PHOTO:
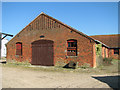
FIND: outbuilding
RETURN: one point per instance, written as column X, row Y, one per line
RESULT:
column 49, row 42
column 113, row 42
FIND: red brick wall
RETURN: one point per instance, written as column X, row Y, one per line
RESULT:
column 52, row 31
column 94, row 56
column 105, row 52
column 114, row 56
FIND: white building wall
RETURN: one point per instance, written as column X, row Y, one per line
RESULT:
column 3, row 47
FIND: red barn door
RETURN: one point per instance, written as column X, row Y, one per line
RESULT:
column 42, row 53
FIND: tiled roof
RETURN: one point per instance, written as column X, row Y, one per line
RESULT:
column 110, row 40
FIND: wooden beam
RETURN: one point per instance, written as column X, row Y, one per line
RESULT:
column 2, row 39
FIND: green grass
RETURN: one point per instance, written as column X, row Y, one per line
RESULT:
column 99, row 70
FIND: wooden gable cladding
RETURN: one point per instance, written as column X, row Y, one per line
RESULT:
column 43, row 22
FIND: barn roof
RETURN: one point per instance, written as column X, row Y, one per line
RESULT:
column 111, row 40
column 75, row 30
column 68, row 26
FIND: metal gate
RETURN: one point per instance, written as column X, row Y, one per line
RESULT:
column 42, row 53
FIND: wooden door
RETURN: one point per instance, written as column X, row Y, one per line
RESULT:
column 42, row 53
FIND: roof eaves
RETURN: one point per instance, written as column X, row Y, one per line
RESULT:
column 102, row 43
column 26, row 26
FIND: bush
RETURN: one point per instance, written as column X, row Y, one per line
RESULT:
column 107, row 61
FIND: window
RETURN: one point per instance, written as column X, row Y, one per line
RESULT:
column 116, row 51
column 72, row 47
column 18, row 48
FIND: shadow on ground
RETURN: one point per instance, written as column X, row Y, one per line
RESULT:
column 112, row 81
column 71, row 65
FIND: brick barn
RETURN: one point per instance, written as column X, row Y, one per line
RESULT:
column 49, row 42
column 113, row 42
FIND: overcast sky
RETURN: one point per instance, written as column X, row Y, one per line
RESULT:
column 88, row 17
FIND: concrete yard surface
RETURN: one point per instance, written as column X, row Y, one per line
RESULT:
column 22, row 78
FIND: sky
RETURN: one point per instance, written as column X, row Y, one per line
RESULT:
column 91, row 18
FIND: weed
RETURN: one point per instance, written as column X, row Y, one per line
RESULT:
column 107, row 61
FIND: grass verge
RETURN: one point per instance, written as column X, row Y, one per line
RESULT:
column 113, row 68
